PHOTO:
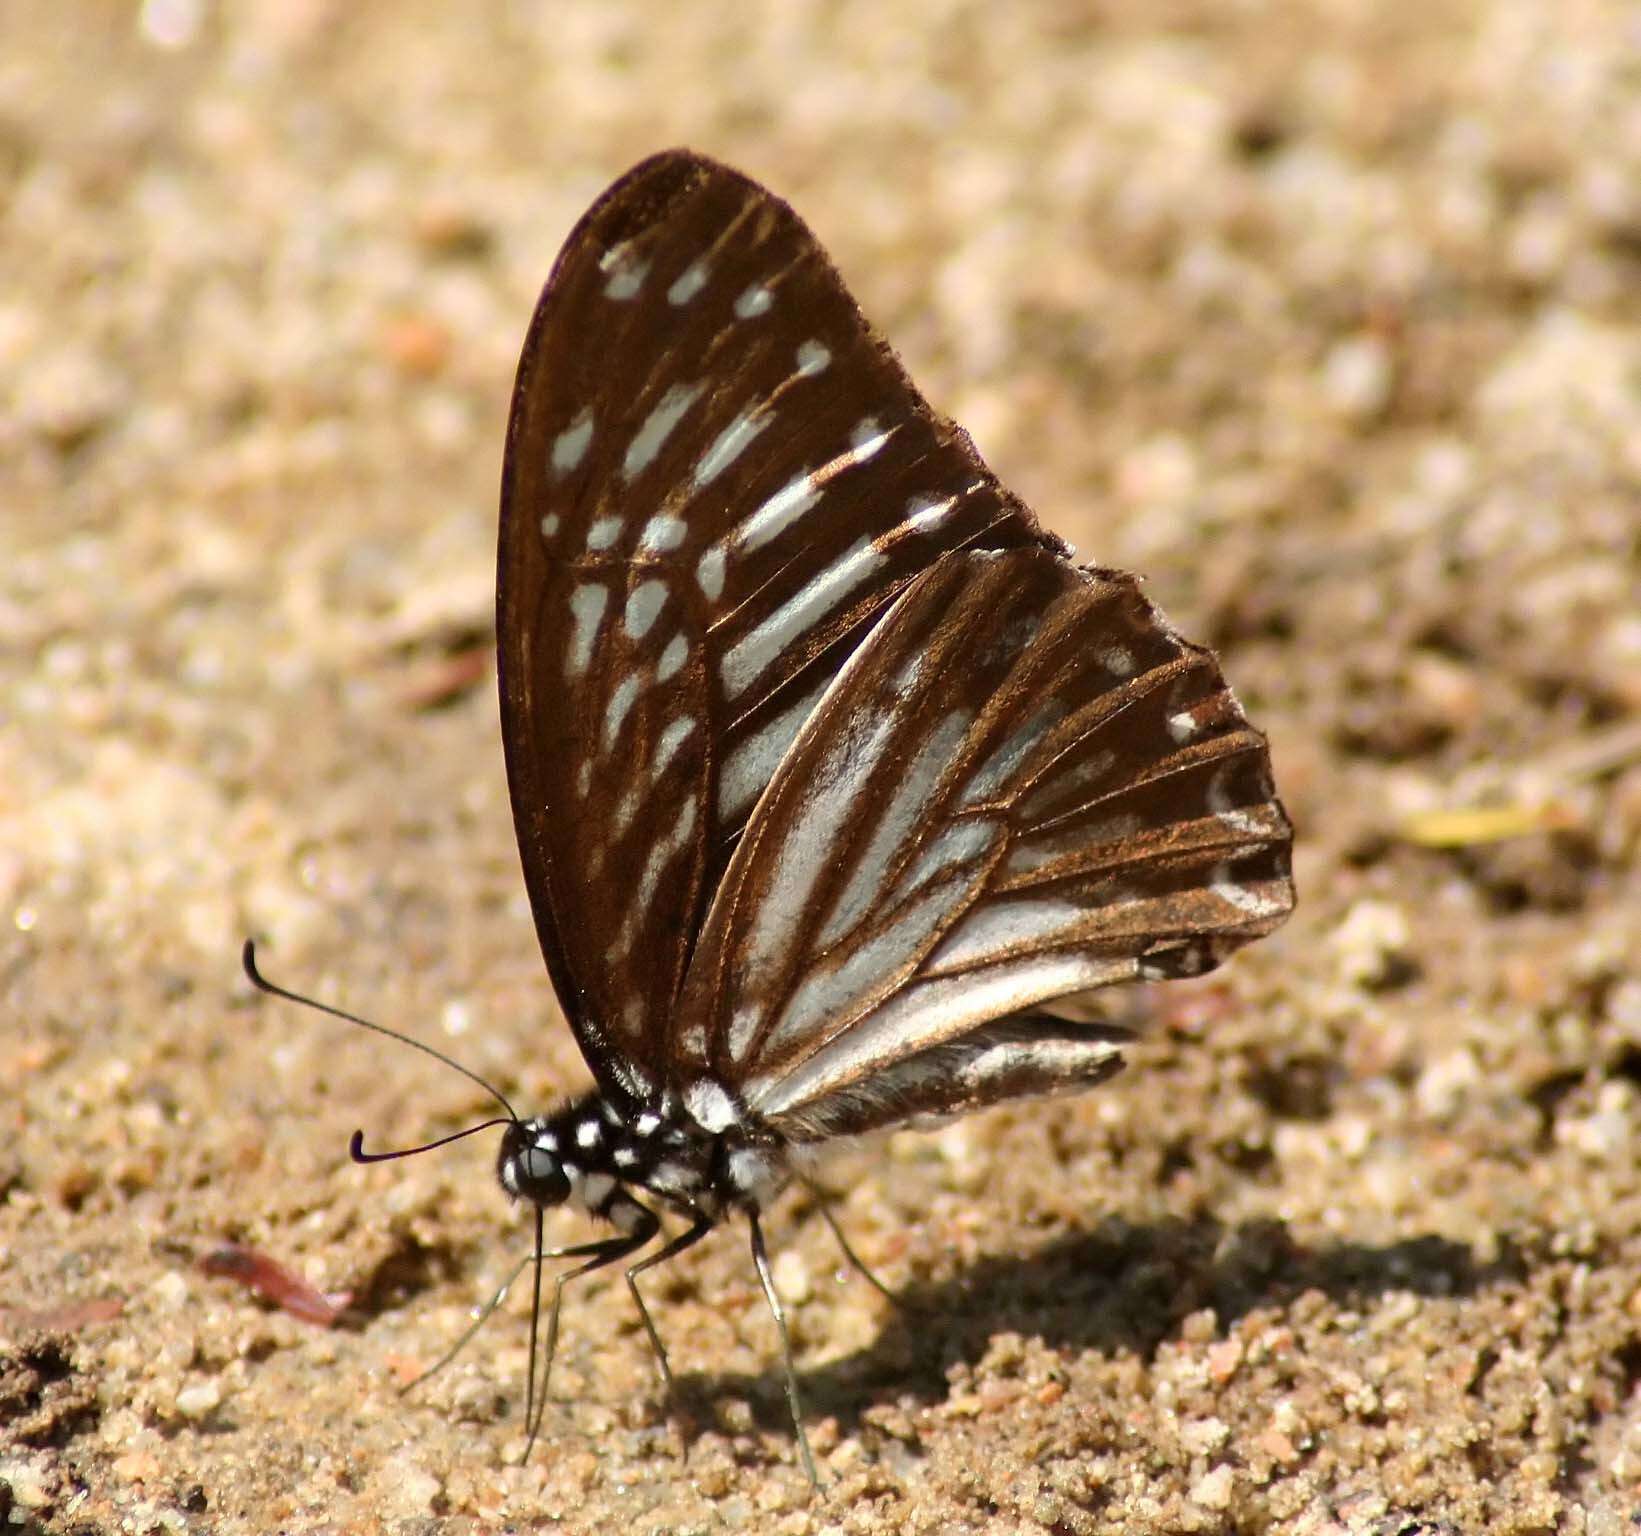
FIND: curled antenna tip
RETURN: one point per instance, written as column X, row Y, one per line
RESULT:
column 356, row 1147
column 247, row 960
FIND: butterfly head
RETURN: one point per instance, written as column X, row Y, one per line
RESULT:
column 529, row 1165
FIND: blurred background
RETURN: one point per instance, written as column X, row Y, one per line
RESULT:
column 1321, row 314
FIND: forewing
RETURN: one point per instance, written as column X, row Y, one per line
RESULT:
column 717, row 477
column 1023, row 786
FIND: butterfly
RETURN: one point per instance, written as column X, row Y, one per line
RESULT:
column 838, row 784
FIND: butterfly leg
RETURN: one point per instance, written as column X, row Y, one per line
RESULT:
column 609, row 1250
column 702, row 1225
column 760, row 1257
column 824, row 1199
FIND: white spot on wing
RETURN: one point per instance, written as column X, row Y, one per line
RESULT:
column 615, row 712
column 587, row 610
column 753, row 301
column 661, row 533
column 671, row 739
column 676, row 653
column 813, row 357
column 571, row 444
column 658, row 425
column 643, row 604
column 1119, row 661
column 730, row 444
column 689, row 283
column 747, row 660
column 604, row 533
column 710, row 572
column 549, row 525
column 626, row 272
column 1183, row 726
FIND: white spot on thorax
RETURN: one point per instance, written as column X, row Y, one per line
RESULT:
column 647, row 1124
column 589, row 1133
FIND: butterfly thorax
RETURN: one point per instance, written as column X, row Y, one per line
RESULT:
column 598, row 1156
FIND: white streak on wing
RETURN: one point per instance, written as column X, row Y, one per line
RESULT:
column 896, row 824
column 925, row 512
column 813, row 358
column 710, row 572
column 660, row 856
column 998, row 926
column 587, row 610
column 626, row 810
column 865, row 441
column 1244, row 819
column 1066, row 1060
column 584, row 777
column 753, row 301
column 1245, row 898
column 671, row 739
column 661, row 533
column 926, row 1014
column 604, row 533
column 669, row 411
column 741, row 1030
column 752, row 763
column 689, row 283
column 751, row 656
column 955, row 844
column 570, row 445
column 838, row 991
column 801, row 493
column 731, row 443
column 615, row 712
column 793, row 499
column 842, row 778
column 675, row 655
column 644, row 602
column 993, row 775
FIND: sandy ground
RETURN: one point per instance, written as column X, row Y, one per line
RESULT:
column 1322, row 314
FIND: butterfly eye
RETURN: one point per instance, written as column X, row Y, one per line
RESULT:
column 541, row 1177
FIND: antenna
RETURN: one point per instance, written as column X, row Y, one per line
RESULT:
column 356, row 1146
